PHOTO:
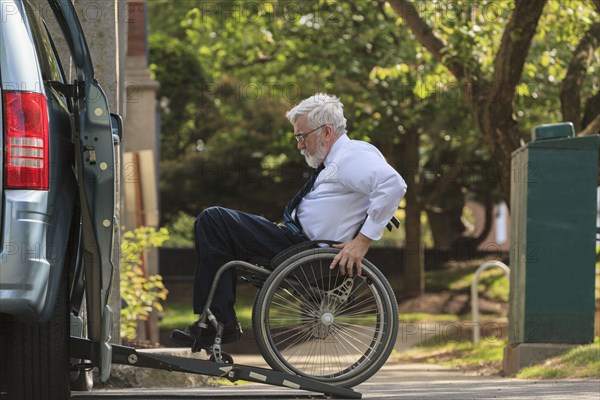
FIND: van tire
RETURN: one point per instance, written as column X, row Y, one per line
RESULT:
column 37, row 355
column 82, row 381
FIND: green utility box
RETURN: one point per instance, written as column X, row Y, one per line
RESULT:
column 553, row 233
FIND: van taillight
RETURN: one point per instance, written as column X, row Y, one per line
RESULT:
column 25, row 141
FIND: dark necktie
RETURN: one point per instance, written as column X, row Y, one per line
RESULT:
column 289, row 221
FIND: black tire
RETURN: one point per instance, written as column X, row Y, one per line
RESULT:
column 36, row 357
column 82, row 381
column 313, row 322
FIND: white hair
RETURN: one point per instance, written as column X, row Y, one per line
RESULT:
column 320, row 109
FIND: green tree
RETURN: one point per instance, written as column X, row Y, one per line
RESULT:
column 188, row 112
column 357, row 49
column 445, row 89
column 485, row 48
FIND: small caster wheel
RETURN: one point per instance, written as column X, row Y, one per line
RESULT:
column 226, row 357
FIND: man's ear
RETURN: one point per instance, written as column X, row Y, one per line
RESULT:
column 329, row 132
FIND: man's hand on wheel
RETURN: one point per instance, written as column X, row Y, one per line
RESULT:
column 351, row 255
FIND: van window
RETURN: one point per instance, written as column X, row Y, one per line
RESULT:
column 48, row 61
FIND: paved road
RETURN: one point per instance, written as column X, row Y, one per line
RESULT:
column 394, row 381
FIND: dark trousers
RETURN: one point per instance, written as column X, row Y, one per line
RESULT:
column 223, row 235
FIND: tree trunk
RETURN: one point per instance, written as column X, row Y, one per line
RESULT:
column 414, row 266
column 570, row 90
column 590, row 123
column 446, row 226
column 500, row 133
column 489, row 221
column 492, row 99
column 469, row 244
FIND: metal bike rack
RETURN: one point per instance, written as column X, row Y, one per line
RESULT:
column 88, row 350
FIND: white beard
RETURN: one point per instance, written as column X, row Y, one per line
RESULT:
column 316, row 159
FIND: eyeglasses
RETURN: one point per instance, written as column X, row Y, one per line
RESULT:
column 301, row 137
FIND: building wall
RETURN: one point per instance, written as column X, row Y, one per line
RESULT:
column 141, row 147
column 142, row 143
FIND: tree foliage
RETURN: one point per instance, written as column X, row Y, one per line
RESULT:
column 447, row 89
column 486, row 49
column 187, row 112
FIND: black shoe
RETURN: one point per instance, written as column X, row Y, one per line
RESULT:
column 231, row 333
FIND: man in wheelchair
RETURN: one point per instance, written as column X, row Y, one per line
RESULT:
column 351, row 180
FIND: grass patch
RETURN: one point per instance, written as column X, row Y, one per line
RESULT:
column 180, row 315
column 493, row 284
column 484, row 358
column 176, row 315
column 579, row 362
column 425, row 317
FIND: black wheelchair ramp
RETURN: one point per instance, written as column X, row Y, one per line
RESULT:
column 85, row 349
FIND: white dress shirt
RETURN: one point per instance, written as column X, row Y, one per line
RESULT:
column 356, row 182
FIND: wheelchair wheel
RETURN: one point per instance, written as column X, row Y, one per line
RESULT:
column 314, row 322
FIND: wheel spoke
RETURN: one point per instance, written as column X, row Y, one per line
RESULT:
column 318, row 326
column 294, row 309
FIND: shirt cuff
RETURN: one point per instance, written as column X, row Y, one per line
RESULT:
column 372, row 230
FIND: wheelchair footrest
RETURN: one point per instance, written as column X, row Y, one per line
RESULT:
column 84, row 349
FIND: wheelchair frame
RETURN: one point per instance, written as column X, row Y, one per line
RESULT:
column 287, row 265
column 244, row 266
column 87, row 350
column 98, row 352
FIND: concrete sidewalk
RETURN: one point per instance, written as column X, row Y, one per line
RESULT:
column 393, row 382
column 409, row 335
column 124, row 376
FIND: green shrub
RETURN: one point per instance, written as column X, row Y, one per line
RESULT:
column 142, row 293
column 181, row 231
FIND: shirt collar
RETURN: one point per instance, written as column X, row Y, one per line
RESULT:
column 336, row 148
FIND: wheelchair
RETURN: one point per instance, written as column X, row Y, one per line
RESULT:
column 314, row 322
